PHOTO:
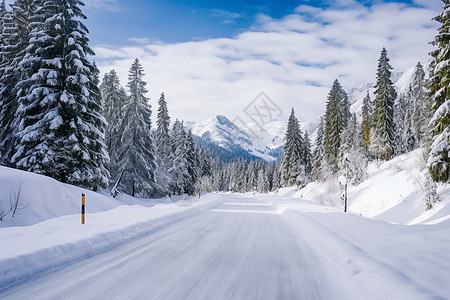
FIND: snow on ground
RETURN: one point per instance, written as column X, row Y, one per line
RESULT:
column 44, row 198
column 240, row 247
column 392, row 192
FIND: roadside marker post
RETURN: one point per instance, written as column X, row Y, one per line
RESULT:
column 83, row 202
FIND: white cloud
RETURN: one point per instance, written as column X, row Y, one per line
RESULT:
column 139, row 40
column 433, row 4
column 227, row 16
column 294, row 60
column 103, row 4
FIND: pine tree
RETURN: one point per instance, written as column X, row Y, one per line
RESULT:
column 193, row 163
column 419, row 105
column 162, row 129
column 262, row 185
column 385, row 96
column 403, row 140
column 353, row 159
column 439, row 85
column 113, row 98
column 60, row 127
column 179, row 168
column 2, row 13
column 366, row 122
column 205, row 171
column 319, row 151
column 307, row 156
column 336, row 119
column 13, row 45
column 136, row 153
column 292, row 162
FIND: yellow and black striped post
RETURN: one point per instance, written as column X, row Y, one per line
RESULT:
column 82, row 207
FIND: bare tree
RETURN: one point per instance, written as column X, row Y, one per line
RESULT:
column 13, row 204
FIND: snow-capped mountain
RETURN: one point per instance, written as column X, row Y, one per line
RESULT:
column 255, row 141
column 252, row 141
column 226, row 134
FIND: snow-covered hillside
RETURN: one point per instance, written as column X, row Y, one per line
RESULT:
column 393, row 191
column 43, row 198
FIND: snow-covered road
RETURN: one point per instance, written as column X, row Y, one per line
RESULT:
column 241, row 250
column 259, row 247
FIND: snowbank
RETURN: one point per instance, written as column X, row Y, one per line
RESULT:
column 44, row 198
column 392, row 192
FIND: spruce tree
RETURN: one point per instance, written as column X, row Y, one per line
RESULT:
column 179, row 167
column 403, row 140
column 113, row 99
column 353, row 159
column 366, row 122
column 385, row 96
column 336, row 119
column 193, row 163
column 307, row 156
column 319, row 151
column 262, row 185
column 136, row 153
column 60, row 127
column 439, row 85
column 13, row 45
column 292, row 162
column 420, row 107
column 2, row 13
column 162, row 129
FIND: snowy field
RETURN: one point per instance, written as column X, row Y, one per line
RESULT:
column 290, row 245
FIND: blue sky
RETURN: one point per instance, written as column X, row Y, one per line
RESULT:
column 178, row 21
column 170, row 21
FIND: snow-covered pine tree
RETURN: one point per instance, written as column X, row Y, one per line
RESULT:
column 403, row 140
column 307, row 156
column 251, row 175
column 419, row 106
column 179, row 168
column 205, row 171
column 205, row 163
column 292, row 168
column 367, row 111
column 318, row 153
column 113, row 99
column 136, row 153
column 272, row 174
column 14, row 41
column 336, row 119
column 353, row 159
column 2, row 13
column 439, row 85
column 385, row 96
column 162, row 129
column 262, row 185
column 96, row 173
column 193, row 163
column 60, row 128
